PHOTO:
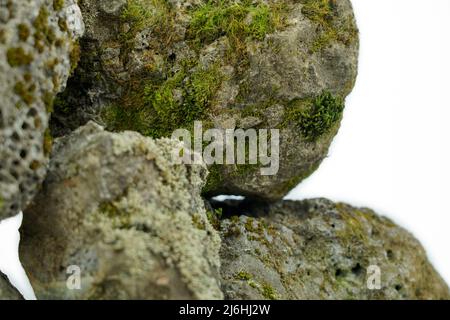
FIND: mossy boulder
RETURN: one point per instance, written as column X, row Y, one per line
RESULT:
column 118, row 210
column 36, row 57
column 317, row 249
column 7, row 291
column 156, row 66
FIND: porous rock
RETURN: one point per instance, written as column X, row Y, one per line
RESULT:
column 118, row 212
column 156, row 66
column 37, row 51
column 317, row 249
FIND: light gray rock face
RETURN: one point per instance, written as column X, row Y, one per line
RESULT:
column 116, row 207
column 316, row 249
column 156, row 66
column 37, row 52
column 7, row 291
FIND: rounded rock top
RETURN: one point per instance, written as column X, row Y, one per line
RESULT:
column 158, row 66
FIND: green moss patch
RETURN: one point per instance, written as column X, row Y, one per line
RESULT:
column 18, row 57
column 23, row 31
column 324, row 13
column 315, row 117
column 214, row 217
column 44, row 35
column 26, row 93
column 269, row 292
column 58, row 5
column 142, row 14
column 48, row 142
column 157, row 108
column 243, row 276
column 232, row 19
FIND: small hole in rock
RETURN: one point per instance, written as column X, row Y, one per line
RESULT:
column 15, row 136
column 32, row 113
column 390, row 254
column 172, row 57
column 357, row 270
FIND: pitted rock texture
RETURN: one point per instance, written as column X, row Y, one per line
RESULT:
column 116, row 207
column 7, row 291
column 317, row 249
column 37, row 51
column 156, row 66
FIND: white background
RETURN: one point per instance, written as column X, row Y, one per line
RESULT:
column 392, row 152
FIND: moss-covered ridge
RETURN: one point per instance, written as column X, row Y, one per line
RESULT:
column 156, row 106
column 157, row 66
column 324, row 14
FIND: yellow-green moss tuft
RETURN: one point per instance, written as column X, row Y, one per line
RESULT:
column 18, row 57
column 324, row 13
column 35, row 165
column 58, row 5
column 48, row 142
column 23, row 31
column 243, row 275
column 214, row 217
column 26, row 93
column 47, row 98
column 74, row 56
column 62, row 23
column 234, row 20
column 198, row 222
column 269, row 292
column 44, row 35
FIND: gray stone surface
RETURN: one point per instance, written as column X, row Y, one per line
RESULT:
column 117, row 206
column 37, row 51
column 155, row 66
column 317, row 249
column 7, row 291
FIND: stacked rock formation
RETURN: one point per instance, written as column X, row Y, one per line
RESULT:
column 134, row 223
column 38, row 49
column 118, row 217
column 156, row 66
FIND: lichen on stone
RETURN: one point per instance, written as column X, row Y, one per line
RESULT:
column 129, row 217
column 317, row 249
